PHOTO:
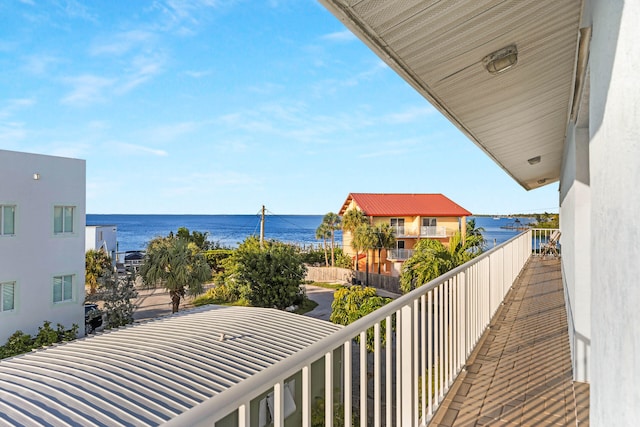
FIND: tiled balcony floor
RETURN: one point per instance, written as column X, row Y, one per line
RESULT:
column 520, row 373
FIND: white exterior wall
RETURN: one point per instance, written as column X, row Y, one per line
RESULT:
column 575, row 217
column 102, row 236
column 615, row 177
column 34, row 255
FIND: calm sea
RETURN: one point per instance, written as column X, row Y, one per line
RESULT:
column 135, row 231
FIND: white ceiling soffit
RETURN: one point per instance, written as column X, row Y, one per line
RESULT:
column 438, row 46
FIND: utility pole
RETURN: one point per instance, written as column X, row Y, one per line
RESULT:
column 262, row 229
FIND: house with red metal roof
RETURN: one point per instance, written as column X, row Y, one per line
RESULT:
column 411, row 216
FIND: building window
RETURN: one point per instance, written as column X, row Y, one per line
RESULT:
column 399, row 244
column 397, row 224
column 63, row 219
column 7, row 220
column 429, row 222
column 7, row 296
column 62, row 288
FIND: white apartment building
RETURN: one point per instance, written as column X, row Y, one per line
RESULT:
column 42, row 238
column 102, row 237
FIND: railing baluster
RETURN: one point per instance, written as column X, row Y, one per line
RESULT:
column 423, row 357
column 441, row 360
column 348, row 382
column 376, row 376
column 398, row 368
column 363, row 378
column 430, row 350
column 244, row 414
column 278, row 404
column 306, row 397
column 328, row 389
column 388, row 371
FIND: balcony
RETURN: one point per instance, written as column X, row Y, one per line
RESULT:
column 399, row 254
column 458, row 353
column 433, row 231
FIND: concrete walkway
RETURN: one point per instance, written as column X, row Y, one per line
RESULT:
column 520, row 373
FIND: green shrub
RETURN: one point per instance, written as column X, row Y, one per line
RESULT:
column 219, row 294
column 20, row 342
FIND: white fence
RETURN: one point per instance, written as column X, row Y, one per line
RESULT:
column 412, row 365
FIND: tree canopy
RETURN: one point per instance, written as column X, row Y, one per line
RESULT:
column 177, row 265
column 352, row 303
column 97, row 264
column 431, row 259
column 271, row 276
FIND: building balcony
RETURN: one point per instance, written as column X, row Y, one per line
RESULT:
column 486, row 342
column 433, row 231
column 399, row 254
column 402, row 231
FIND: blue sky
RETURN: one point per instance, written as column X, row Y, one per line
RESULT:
column 212, row 107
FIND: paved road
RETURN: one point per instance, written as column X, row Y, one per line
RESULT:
column 153, row 303
column 324, row 298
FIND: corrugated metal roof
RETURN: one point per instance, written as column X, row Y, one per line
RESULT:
column 397, row 204
column 145, row 374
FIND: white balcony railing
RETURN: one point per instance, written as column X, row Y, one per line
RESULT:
column 398, row 230
column 435, row 328
column 399, row 254
column 433, row 231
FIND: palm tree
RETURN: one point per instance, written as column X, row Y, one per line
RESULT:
column 332, row 222
column 177, row 265
column 364, row 239
column 474, row 238
column 97, row 264
column 385, row 239
column 431, row 259
column 323, row 232
column 351, row 220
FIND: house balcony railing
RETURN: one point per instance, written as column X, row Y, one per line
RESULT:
column 424, row 231
column 399, row 254
column 399, row 230
column 433, row 231
column 412, row 365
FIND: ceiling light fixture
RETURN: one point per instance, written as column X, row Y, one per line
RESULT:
column 542, row 181
column 501, row 60
column 534, row 160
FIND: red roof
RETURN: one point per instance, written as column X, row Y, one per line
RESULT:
column 434, row 205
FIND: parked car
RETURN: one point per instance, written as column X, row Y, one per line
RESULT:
column 92, row 318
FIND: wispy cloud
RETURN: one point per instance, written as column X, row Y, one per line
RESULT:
column 121, row 43
column 339, row 36
column 86, row 89
column 142, row 69
column 198, row 74
column 39, row 64
column 138, row 149
column 410, row 115
column 180, row 15
column 170, row 132
column 76, row 9
column 14, row 105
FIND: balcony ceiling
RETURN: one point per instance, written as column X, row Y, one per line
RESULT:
column 438, row 48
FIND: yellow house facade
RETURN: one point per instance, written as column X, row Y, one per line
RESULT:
column 412, row 217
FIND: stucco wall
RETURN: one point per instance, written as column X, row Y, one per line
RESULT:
column 34, row 255
column 575, row 224
column 615, row 176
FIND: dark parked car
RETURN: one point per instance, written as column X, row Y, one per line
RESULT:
column 92, row 318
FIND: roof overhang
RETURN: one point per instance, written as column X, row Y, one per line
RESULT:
column 518, row 117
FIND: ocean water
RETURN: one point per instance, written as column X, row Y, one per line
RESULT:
column 135, row 231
